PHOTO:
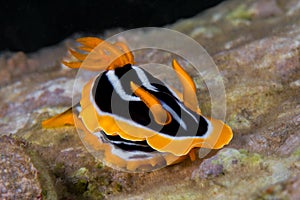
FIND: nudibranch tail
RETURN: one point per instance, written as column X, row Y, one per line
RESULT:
column 189, row 88
column 63, row 119
column 102, row 55
column 161, row 116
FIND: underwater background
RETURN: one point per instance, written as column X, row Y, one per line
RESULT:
column 254, row 43
column 29, row 25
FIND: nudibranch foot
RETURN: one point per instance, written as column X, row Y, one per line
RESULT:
column 125, row 155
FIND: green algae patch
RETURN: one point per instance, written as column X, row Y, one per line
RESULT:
column 93, row 192
column 82, row 172
column 79, row 186
column 78, row 182
column 296, row 153
column 240, row 13
column 253, row 159
column 230, row 159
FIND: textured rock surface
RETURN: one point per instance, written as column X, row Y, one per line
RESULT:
column 19, row 177
column 255, row 44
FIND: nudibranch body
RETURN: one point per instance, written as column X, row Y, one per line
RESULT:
column 136, row 121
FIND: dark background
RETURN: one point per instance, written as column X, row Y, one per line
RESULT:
column 28, row 25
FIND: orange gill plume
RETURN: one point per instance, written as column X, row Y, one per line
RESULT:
column 101, row 55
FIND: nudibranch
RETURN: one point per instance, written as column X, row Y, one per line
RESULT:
column 136, row 121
